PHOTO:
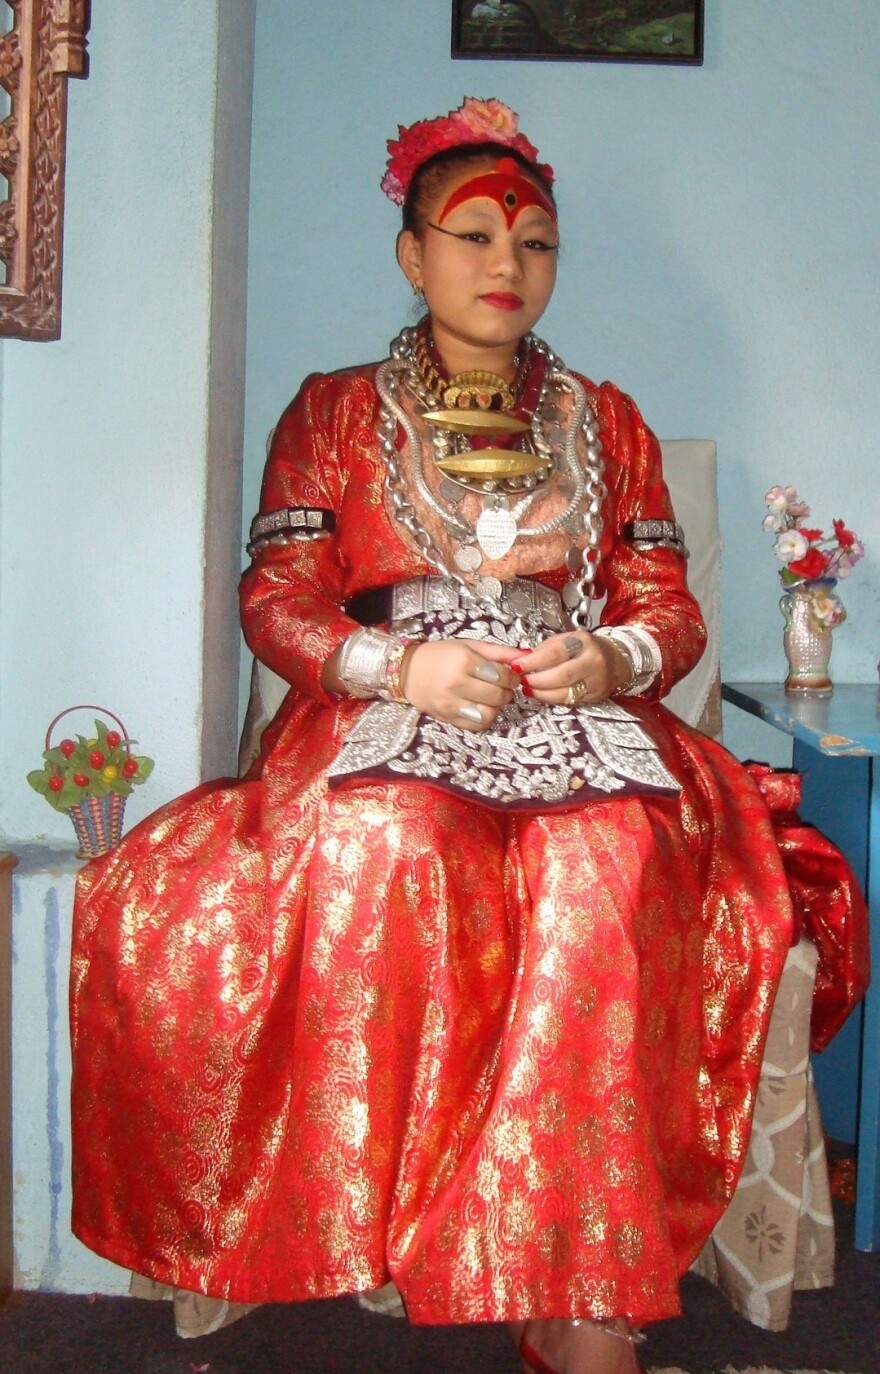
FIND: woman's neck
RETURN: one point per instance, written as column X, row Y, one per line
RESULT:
column 457, row 355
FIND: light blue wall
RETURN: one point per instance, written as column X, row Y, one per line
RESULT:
column 721, row 231
column 120, row 453
column 118, row 443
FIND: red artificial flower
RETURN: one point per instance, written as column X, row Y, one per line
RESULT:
column 813, row 564
column 845, row 537
column 810, row 535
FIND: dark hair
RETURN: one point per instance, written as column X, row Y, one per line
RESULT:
column 430, row 177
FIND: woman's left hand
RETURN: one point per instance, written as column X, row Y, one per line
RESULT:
column 574, row 667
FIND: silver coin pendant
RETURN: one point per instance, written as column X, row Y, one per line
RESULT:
column 468, row 558
column 496, row 532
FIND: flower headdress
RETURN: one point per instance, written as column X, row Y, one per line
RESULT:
column 475, row 121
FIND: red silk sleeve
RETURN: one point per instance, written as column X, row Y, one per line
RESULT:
column 291, row 595
column 644, row 587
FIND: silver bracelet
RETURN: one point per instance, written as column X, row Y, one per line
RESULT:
column 641, row 649
column 364, row 660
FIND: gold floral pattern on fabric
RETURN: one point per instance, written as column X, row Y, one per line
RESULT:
column 326, row 1039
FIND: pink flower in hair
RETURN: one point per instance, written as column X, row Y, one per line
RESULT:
column 489, row 119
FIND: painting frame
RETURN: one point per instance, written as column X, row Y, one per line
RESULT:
column 44, row 45
column 667, row 32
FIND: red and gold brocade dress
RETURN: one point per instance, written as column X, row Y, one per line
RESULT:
column 327, row 1037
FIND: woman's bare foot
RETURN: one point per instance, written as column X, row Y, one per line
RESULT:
column 516, row 1330
column 578, row 1347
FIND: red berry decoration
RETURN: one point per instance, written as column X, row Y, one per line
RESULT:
column 55, row 783
column 67, row 747
column 129, row 768
column 113, row 739
column 96, row 758
column 81, row 779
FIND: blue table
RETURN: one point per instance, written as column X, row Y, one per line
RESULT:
column 836, row 741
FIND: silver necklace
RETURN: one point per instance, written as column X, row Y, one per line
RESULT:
column 587, row 481
column 498, row 528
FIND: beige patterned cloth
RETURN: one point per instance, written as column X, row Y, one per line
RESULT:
column 194, row 1314
column 777, row 1235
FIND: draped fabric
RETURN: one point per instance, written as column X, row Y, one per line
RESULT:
column 324, row 1039
column 829, row 908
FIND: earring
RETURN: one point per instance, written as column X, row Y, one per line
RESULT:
column 417, row 290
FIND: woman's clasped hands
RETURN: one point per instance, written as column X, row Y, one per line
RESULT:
column 469, row 682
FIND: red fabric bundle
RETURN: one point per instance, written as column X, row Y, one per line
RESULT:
column 828, row 904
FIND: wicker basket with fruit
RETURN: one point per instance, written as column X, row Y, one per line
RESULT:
column 90, row 778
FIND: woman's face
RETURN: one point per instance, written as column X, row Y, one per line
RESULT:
column 486, row 257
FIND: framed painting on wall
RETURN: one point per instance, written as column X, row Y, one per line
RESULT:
column 579, row 30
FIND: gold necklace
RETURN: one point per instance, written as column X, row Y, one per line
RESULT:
column 477, row 402
column 474, row 402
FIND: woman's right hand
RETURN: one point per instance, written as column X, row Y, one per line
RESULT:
column 462, row 681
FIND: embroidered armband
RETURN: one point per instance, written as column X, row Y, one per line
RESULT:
column 655, row 534
column 292, row 522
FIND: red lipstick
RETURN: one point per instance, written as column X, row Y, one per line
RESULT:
column 502, row 300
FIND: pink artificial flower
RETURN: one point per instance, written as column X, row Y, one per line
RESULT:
column 778, row 498
column 491, row 119
column 844, row 560
column 786, row 506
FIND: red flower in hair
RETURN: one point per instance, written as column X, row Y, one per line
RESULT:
column 475, row 121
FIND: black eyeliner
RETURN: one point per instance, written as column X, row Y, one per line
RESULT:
column 450, row 233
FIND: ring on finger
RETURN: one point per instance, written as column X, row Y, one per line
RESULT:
column 471, row 713
column 576, row 692
column 487, row 672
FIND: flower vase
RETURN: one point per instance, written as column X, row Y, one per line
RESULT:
column 811, row 610
column 98, row 823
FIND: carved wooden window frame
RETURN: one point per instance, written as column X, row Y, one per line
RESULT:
column 45, row 46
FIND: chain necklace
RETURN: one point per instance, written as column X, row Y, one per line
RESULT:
column 476, row 389
column 587, row 479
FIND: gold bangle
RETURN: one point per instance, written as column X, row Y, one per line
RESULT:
column 633, row 670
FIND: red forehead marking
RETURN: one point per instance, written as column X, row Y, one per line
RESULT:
column 506, row 185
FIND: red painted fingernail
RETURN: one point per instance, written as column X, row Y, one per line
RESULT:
column 527, row 691
column 516, row 666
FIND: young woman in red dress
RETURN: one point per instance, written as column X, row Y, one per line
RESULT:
column 465, row 984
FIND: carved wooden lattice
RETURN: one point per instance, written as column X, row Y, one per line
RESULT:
column 45, row 45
